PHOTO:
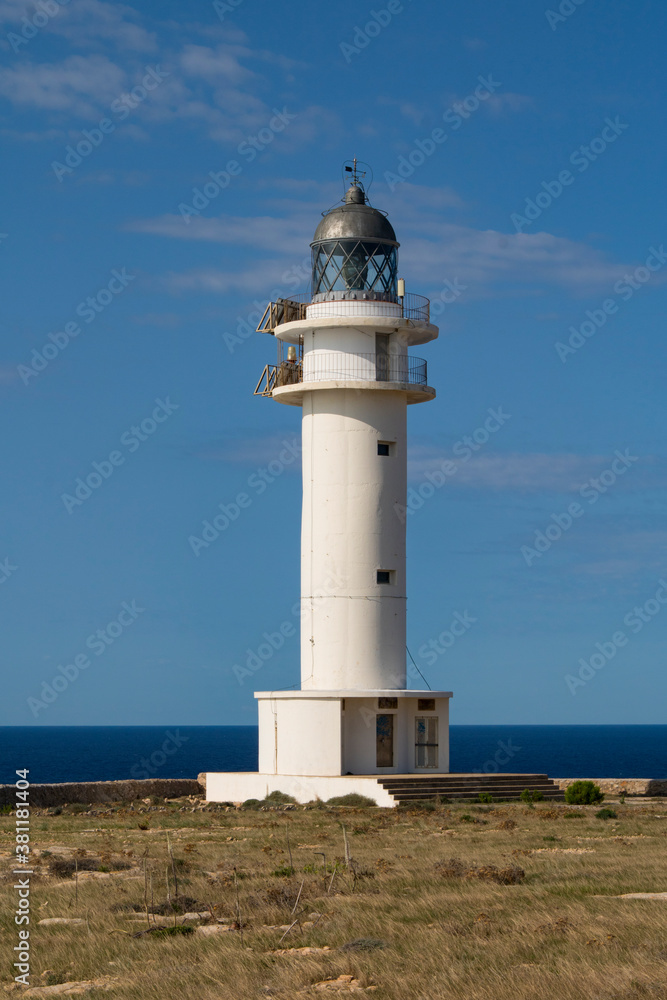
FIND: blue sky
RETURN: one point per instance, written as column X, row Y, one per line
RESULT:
column 535, row 208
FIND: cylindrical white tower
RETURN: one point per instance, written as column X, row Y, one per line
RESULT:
column 348, row 367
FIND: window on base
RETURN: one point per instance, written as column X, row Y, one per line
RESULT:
column 385, row 576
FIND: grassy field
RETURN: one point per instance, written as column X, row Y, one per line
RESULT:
column 457, row 902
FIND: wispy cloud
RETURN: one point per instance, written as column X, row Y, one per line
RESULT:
column 164, row 320
column 490, row 262
column 89, row 22
column 8, row 374
column 532, row 472
column 253, row 450
column 78, row 85
column 505, row 101
column 219, row 88
column 260, row 232
column 634, row 552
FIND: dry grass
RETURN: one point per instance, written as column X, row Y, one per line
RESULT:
column 401, row 917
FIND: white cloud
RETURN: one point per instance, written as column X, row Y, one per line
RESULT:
column 435, row 249
column 491, row 263
column 529, row 472
column 86, row 23
column 126, row 178
column 77, row 86
column 265, row 233
column 48, row 135
column 509, row 101
column 8, row 374
column 164, row 320
column 256, row 450
column 216, row 66
column 633, row 552
column 475, row 44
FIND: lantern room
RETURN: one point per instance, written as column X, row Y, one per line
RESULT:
column 355, row 252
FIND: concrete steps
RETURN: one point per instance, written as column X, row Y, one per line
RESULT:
column 407, row 788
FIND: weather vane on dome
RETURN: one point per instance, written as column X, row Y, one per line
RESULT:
column 356, row 174
column 351, row 167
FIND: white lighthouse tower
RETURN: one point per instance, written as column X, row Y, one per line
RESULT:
column 343, row 357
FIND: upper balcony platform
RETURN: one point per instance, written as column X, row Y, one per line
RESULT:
column 289, row 319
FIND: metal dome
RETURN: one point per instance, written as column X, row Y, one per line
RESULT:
column 355, row 220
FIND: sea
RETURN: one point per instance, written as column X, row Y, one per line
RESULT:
column 109, row 753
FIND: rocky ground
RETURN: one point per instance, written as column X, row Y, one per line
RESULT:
column 158, row 898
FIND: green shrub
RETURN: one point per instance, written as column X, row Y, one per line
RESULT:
column 605, row 813
column 583, row 793
column 353, row 799
column 279, row 799
column 418, row 805
column 5, row 810
column 50, row 978
column 574, row 815
column 284, row 871
column 485, row 797
column 274, row 799
column 531, row 795
column 172, row 931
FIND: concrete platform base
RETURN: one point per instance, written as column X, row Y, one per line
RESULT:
column 385, row 790
column 237, row 786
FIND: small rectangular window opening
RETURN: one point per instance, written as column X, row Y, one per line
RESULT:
column 384, row 576
column 387, row 702
column 426, row 704
column 386, row 447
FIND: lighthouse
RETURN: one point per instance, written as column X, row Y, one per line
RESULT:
column 344, row 356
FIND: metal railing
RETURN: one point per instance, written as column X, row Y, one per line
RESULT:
column 274, row 376
column 411, row 307
column 319, row 366
column 336, row 366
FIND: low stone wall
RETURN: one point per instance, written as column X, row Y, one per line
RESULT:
column 102, row 791
column 614, row 786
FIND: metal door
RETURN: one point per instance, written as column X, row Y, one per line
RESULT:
column 382, row 357
column 384, row 744
column 426, row 741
